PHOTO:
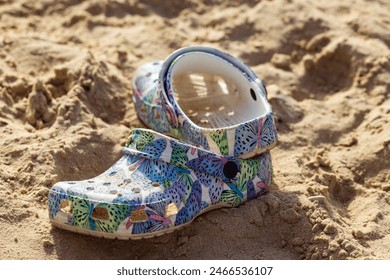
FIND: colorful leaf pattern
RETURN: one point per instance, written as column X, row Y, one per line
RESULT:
column 156, row 172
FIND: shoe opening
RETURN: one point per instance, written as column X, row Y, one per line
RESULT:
column 213, row 93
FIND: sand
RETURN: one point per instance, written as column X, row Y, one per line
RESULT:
column 66, row 109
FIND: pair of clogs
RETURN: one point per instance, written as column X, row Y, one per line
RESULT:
column 211, row 129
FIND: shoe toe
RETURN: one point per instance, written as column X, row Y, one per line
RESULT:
column 113, row 202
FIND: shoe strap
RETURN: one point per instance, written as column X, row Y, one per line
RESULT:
column 242, row 140
column 150, row 145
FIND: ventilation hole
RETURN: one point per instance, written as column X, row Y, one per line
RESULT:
column 230, row 169
column 156, row 63
column 90, row 188
column 253, row 95
column 130, row 140
column 169, row 116
column 136, row 190
column 100, row 213
column 106, row 183
column 127, row 181
column 91, row 181
column 171, row 209
column 265, row 88
column 112, row 173
column 155, row 184
column 119, row 194
column 71, row 183
column 66, row 206
column 132, row 167
column 148, row 74
column 138, row 216
column 113, row 192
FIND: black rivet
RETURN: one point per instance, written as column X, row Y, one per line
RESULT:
column 253, row 94
column 230, row 169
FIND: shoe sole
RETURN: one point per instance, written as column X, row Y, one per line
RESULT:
column 107, row 235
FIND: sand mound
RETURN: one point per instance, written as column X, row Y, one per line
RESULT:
column 65, row 111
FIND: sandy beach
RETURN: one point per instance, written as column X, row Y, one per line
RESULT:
column 66, row 110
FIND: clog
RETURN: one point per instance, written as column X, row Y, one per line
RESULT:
column 206, row 98
column 159, row 185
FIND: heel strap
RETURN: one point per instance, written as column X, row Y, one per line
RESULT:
column 149, row 145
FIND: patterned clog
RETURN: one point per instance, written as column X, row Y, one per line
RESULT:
column 157, row 104
column 159, row 185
